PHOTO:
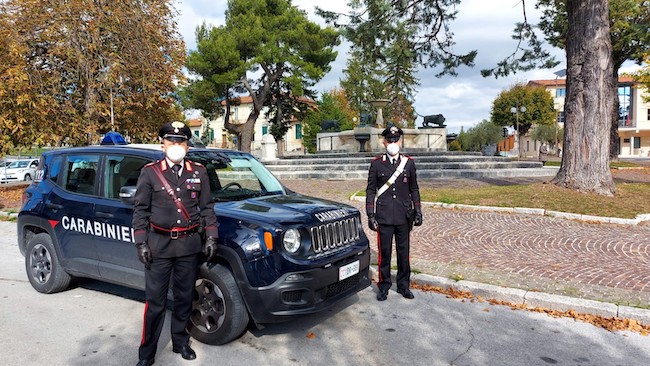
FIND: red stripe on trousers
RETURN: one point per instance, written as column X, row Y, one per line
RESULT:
column 379, row 255
column 144, row 323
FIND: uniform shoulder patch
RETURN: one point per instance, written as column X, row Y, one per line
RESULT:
column 377, row 157
column 195, row 163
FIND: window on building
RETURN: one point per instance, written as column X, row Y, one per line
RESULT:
column 560, row 92
column 236, row 113
column 265, row 130
column 196, row 133
column 626, row 141
column 648, row 114
column 624, row 105
column 298, row 131
column 637, row 142
column 560, row 117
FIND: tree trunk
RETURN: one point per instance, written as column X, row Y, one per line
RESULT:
column 590, row 98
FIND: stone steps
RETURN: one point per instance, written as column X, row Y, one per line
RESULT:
column 352, row 166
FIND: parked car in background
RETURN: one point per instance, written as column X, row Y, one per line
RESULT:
column 19, row 170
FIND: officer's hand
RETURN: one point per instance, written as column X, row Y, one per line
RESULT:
column 144, row 254
column 418, row 218
column 372, row 222
column 210, row 248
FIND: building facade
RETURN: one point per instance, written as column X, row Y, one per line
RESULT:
column 221, row 138
column 633, row 116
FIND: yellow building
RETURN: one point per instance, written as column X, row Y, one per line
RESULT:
column 220, row 137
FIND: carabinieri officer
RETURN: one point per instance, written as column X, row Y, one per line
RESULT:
column 173, row 207
column 393, row 184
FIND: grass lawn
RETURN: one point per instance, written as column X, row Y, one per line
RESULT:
column 630, row 200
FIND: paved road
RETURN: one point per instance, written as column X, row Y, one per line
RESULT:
column 99, row 324
column 603, row 262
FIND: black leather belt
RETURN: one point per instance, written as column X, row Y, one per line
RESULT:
column 175, row 232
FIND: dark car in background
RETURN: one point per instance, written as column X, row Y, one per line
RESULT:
column 281, row 254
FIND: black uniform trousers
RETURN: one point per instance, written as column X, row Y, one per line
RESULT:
column 184, row 270
column 385, row 245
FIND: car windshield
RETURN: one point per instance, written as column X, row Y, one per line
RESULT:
column 236, row 176
column 18, row 164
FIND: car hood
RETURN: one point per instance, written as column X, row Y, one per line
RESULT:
column 286, row 209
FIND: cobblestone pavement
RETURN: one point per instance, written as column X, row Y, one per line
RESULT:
column 602, row 262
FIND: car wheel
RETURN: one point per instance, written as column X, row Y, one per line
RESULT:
column 27, row 177
column 219, row 314
column 43, row 268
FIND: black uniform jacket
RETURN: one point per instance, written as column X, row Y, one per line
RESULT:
column 153, row 205
column 392, row 205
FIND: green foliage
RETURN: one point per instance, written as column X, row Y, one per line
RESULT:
column 267, row 49
column 537, row 101
column 455, row 146
column 206, row 135
column 629, row 21
column 546, row 133
column 63, row 64
column 483, row 134
column 329, row 108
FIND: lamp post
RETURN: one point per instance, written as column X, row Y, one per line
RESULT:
column 515, row 111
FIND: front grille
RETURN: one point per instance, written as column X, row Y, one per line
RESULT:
column 342, row 286
column 334, row 235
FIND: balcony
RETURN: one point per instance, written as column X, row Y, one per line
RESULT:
column 626, row 123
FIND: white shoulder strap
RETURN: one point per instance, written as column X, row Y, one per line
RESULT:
column 391, row 180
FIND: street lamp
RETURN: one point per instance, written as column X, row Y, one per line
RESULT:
column 515, row 111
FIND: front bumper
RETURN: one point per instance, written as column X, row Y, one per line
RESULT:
column 307, row 292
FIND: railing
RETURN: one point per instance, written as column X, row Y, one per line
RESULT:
column 626, row 123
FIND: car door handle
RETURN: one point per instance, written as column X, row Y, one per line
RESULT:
column 104, row 215
column 53, row 206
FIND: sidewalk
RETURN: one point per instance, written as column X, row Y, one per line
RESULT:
column 540, row 260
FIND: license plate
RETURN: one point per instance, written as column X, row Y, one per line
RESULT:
column 348, row 270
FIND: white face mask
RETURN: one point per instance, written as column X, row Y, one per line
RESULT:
column 392, row 149
column 175, row 153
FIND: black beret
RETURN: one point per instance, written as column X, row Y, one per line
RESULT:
column 392, row 131
column 175, row 131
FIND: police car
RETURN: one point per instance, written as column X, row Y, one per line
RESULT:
column 281, row 254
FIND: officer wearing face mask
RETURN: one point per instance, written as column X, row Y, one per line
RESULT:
column 393, row 206
column 173, row 209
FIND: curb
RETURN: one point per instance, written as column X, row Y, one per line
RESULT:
column 531, row 211
column 530, row 299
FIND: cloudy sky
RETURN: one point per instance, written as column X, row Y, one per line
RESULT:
column 464, row 100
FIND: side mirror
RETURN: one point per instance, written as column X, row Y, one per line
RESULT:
column 126, row 194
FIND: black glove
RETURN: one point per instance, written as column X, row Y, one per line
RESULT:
column 418, row 218
column 144, row 254
column 210, row 248
column 372, row 222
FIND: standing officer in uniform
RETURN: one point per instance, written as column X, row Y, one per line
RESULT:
column 173, row 207
column 392, row 182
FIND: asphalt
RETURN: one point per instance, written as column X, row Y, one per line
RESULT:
column 522, row 256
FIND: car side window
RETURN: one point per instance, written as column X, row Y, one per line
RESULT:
column 121, row 171
column 80, row 173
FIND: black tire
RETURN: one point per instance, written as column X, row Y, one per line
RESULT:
column 43, row 268
column 219, row 314
column 27, row 178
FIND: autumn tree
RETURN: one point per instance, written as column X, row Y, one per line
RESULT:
column 537, row 102
column 333, row 106
column 72, row 70
column 268, row 50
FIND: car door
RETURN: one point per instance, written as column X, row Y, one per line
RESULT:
column 70, row 210
column 118, row 261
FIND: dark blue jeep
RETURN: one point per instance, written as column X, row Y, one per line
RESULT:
column 280, row 254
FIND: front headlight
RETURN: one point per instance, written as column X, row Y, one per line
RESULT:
column 291, row 240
